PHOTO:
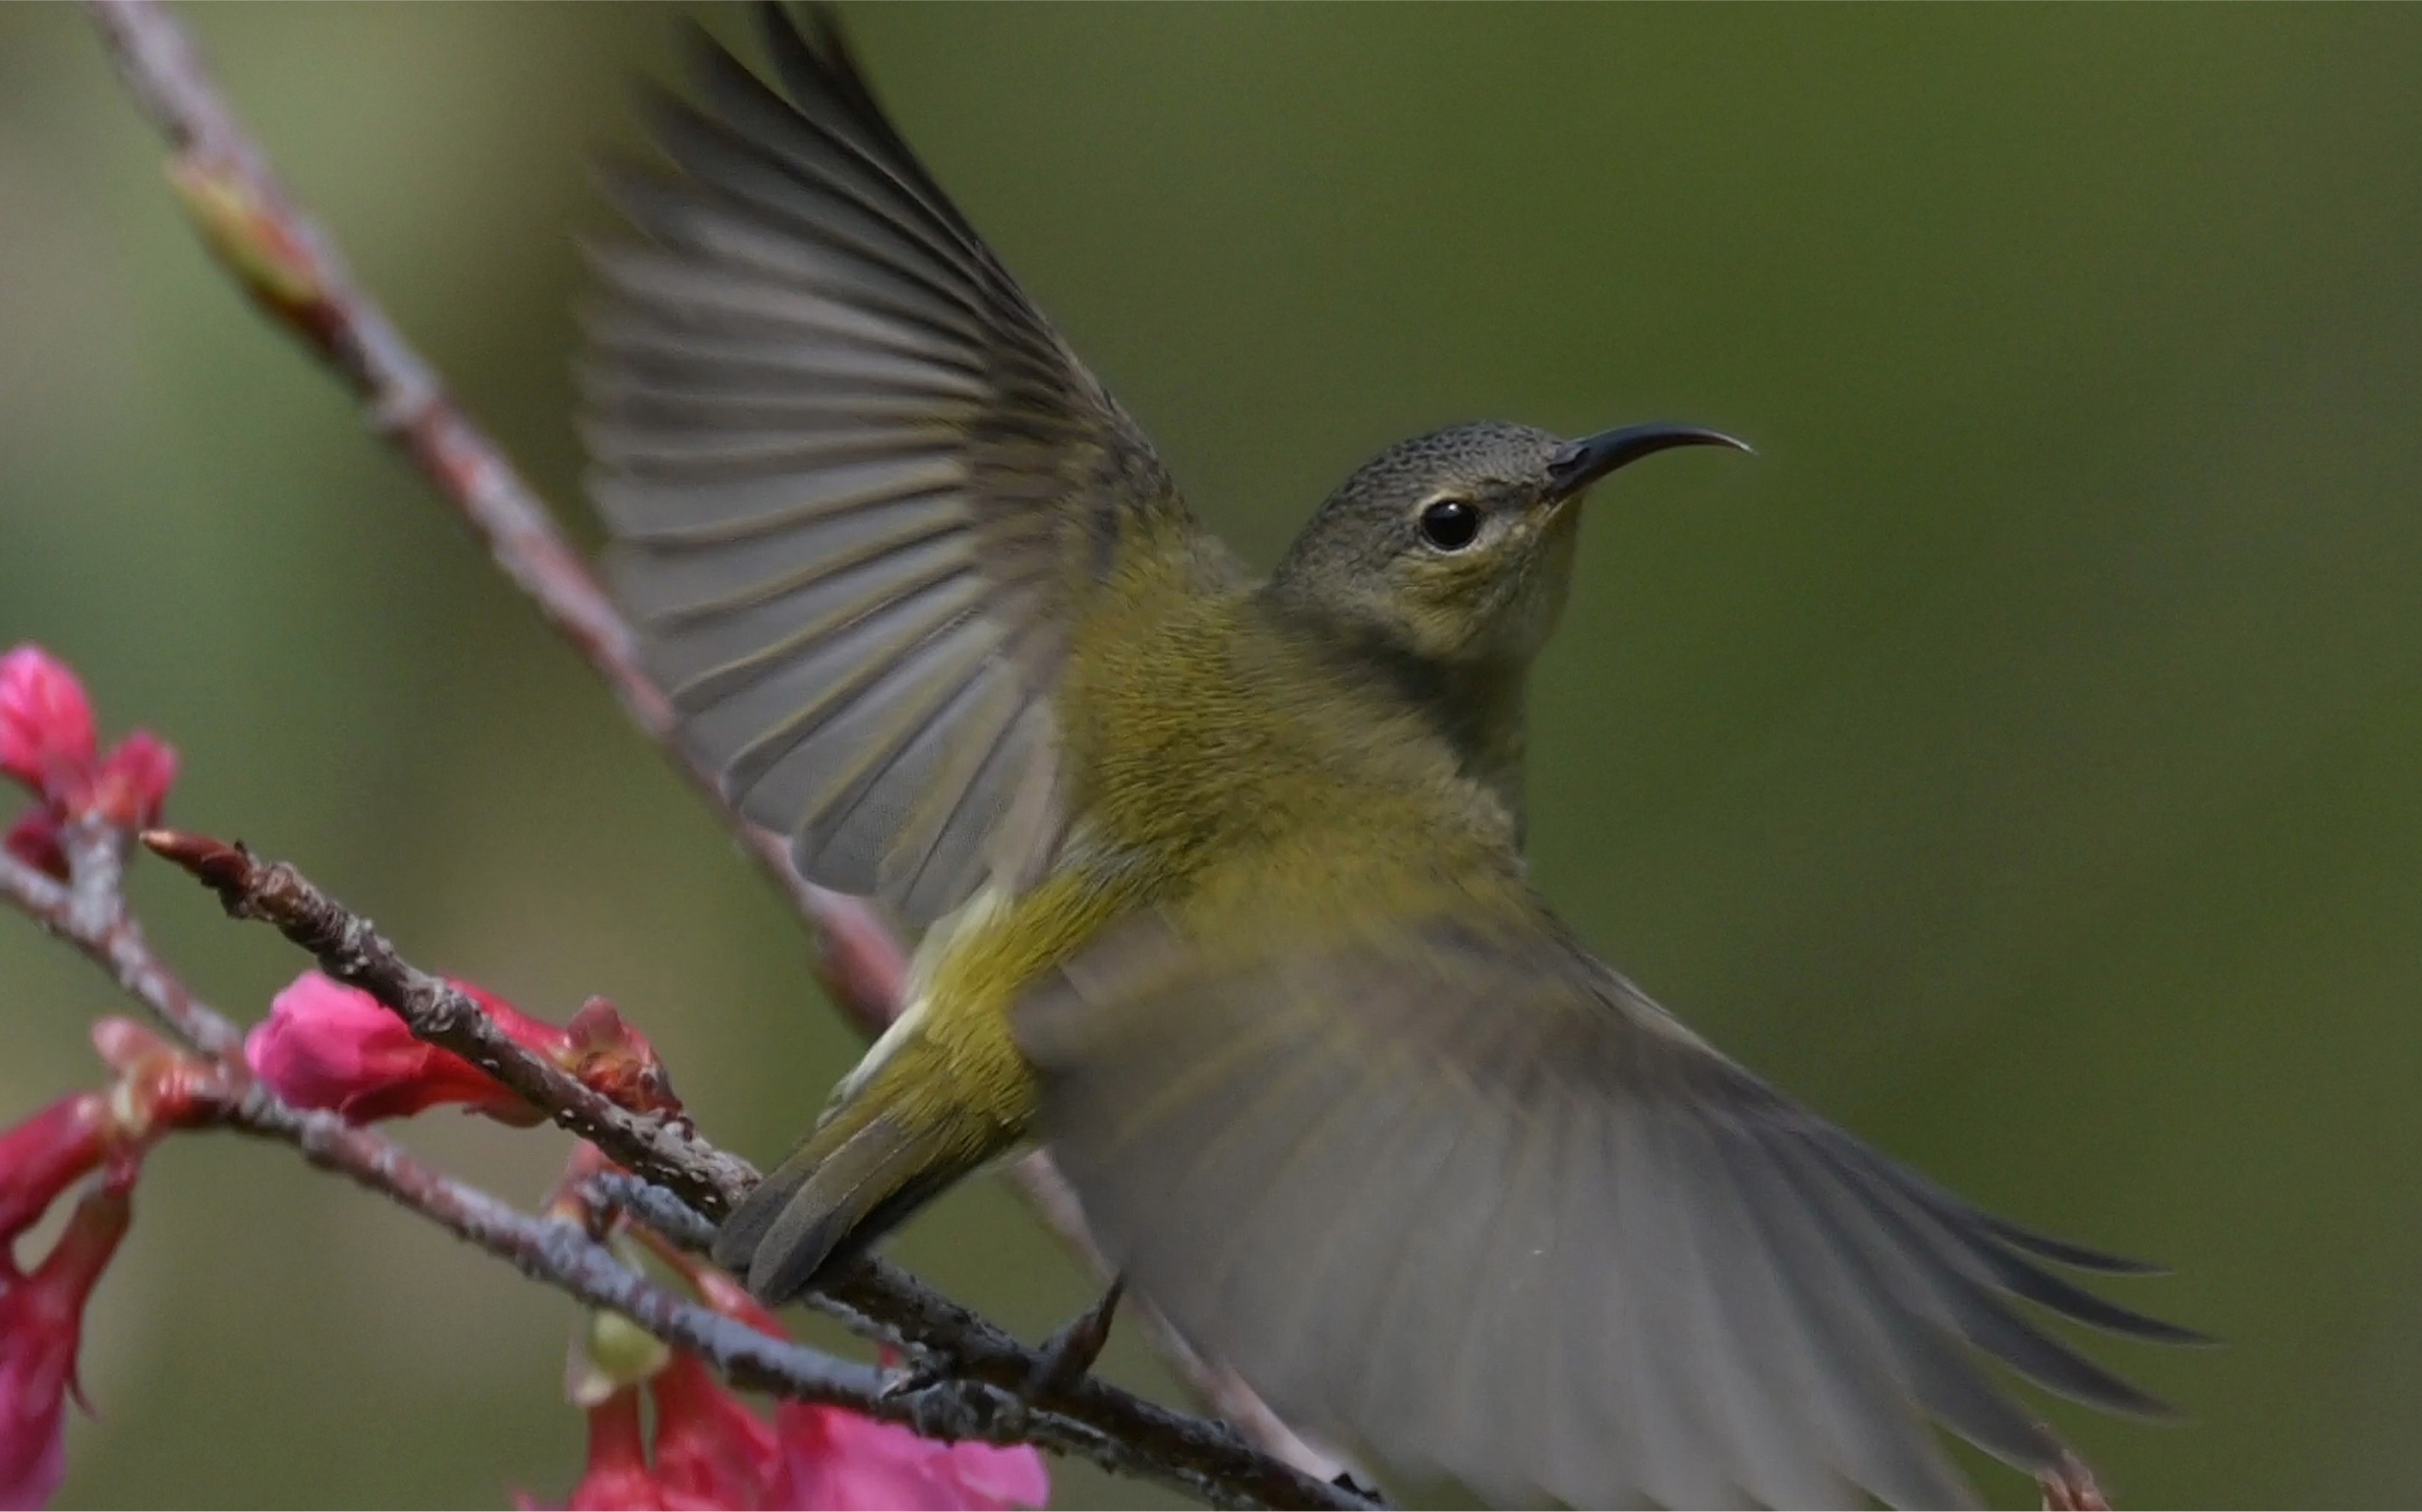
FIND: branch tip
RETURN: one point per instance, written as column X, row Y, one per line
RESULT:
column 225, row 870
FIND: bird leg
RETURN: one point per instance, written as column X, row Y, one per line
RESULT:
column 1073, row 1349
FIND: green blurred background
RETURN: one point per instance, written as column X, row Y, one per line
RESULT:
column 2020, row 759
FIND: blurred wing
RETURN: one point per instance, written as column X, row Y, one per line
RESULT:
column 853, row 478
column 1480, row 1205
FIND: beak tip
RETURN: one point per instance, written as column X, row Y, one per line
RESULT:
column 1579, row 463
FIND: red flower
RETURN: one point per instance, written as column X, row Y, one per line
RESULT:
column 42, row 1319
column 617, row 1477
column 49, row 1152
column 709, row 1445
column 134, row 780
column 46, row 737
column 34, row 840
column 325, row 1045
column 712, row 1451
column 833, row 1458
column 47, row 743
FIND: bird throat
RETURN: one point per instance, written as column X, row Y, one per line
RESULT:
column 1476, row 707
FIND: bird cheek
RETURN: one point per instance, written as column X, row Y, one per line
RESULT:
column 1434, row 610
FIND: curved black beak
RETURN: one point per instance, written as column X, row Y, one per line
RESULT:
column 1576, row 465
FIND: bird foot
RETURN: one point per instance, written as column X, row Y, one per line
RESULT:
column 1070, row 1352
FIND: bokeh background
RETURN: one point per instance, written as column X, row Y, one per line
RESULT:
column 2020, row 759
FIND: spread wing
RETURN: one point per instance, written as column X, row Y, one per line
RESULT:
column 855, row 481
column 1473, row 1202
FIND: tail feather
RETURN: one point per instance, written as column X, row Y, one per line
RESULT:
column 842, row 1190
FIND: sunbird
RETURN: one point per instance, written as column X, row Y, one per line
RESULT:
column 1222, row 876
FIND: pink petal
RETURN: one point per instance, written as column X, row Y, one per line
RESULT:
column 133, row 781
column 325, row 1045
column 46, row 736
column 839, row 1460
column 33, row 1459
column 41, row 1321
column 708, row 1443
column 34, row 840
column 1002, row 1475
column 47, row 1154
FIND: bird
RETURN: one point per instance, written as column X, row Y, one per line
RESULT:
column 1220, row 875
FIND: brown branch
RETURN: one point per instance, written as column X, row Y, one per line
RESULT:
column 1129, row 1438
column 952, row 1405
column 294, row 271
column 352, row 950
column 1203, row 1458
column 967, row 1384
column 114, row 942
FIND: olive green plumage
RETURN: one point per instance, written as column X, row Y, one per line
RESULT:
column 1225, row 875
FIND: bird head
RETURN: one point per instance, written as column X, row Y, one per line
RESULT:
column 1456, row 548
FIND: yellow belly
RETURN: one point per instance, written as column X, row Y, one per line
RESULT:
column 950, row 1058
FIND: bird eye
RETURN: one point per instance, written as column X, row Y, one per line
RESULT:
column 1450, row 525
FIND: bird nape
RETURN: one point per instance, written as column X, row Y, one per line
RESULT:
column 1221, row 877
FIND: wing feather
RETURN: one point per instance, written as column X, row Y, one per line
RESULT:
column 1469, row 1198
column 856, row 483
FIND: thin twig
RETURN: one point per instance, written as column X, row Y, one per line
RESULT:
column 1124, row 1436
column 293, row 270
column 1208, row 1458
column 960, row 1405
column 119, row 948
column 969, row 1390
column 351, row 948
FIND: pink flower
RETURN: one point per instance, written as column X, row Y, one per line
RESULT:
column 617, row 1477
column 47, row 743
column 709, row 1445
column 49, row 1152
column 46, row 735
column 134, row 780
column 41, row 1321
column 34, row 840
column 325, row 1045
column 833, row 1458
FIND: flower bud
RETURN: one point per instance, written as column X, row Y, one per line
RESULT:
column 46, row 735
column 133, row 781
column 608, row 1353
column 34, row 840
column 607, row 1054
column 325, row 1045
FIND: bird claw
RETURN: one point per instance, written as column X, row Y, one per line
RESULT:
column 1345, row 1480
column 1070, row 1352
column 912, row 1378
